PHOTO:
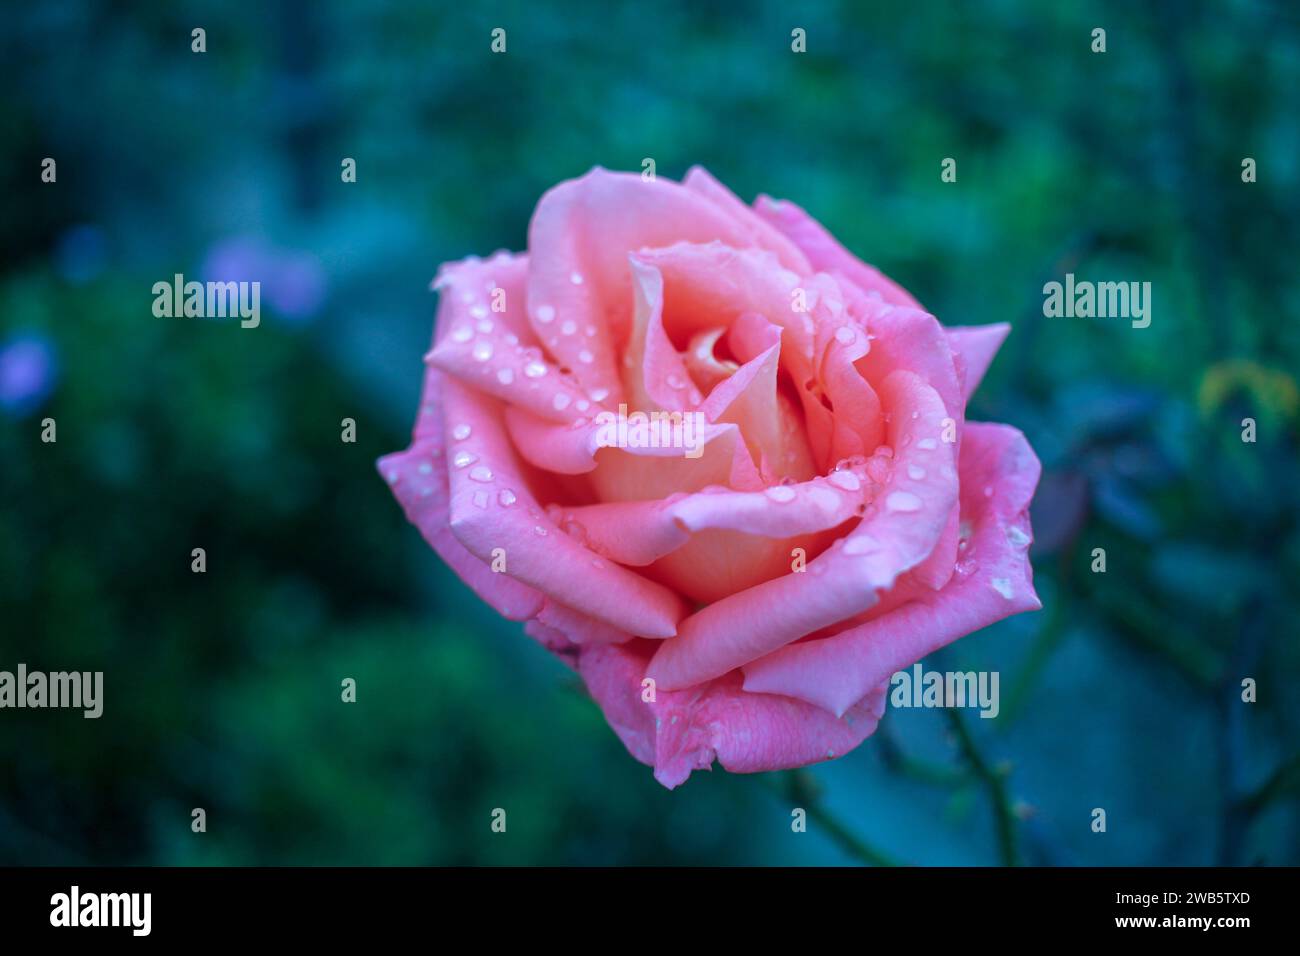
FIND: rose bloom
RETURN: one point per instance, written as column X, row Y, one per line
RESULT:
column 832, row 520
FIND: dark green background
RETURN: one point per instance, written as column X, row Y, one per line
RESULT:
column 222, row 689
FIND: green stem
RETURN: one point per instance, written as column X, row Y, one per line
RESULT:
column 799, row 787
column 1003, row 813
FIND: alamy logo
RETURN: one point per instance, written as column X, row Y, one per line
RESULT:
column 918, row 688
column 651, row 430
column 1103, row 300
column 209, row 300
column 75, row 689
column 103, row 909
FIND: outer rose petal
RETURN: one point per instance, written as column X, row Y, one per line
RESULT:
column 973, row 346
column 418, row 477
column 994, row 580
column 685, row 730
column 826, row 254
column 913, row 511
column 761, row 233
column 549, row 559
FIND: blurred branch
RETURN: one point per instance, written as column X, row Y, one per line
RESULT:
column 799, row 787
column 897, row 760
column 1004, row 814
column 1285, row 780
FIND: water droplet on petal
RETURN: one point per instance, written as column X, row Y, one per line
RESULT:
column 482, row 351
column 780, row 493
column 507, row 497
column 535, row 369
column 902, row 501
column 861, row 544
column 480, row 499
column 575, row 278
column 505, row 376
column 927, row 443
column 915, row 472
column 481, row 473
column 545, row 313
column 585, row 357
column 569, row 327
column 1003, row 587
column 561, row 401
column 462, row 333
column 463, row 459
column 845, row 335
column 845, row 479
column 460, row 432
column 1017, row 537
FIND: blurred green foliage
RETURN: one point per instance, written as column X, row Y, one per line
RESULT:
column 222, row 689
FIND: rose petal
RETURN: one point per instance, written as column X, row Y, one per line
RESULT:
column 974, row 347
column 747, row 733
column 895, row 537
column 761, row 233
column 767, row 419
column 536, row 551
column 418, row 477
column 656, row 375
column 579, row 240
column 640, row 532
column 826, row 254
column 994, row 580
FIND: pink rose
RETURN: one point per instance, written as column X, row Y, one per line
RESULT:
column 819, row 516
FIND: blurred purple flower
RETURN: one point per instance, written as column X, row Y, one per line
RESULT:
column 293, row 282
column 28, row 373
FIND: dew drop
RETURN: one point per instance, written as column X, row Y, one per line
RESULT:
column 585, row 357
column 1017, row 537
column 915, row 472
column 845, row 479
column 569, row 327
column 507, row 497
column 482, row 351
column 460, row 432
column 780, row 493
column 1003, row 587
column 425, row 468
column 480, row 473
column 561, row 401
column 929, row 444
column 861, row 544
column 845, row 335
column 575, row 278
column 463, row 459
column 462, row 333
column 535, row 369
column 545, row 313
column 505, row 376
column 902, row 501
column 480, row 499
